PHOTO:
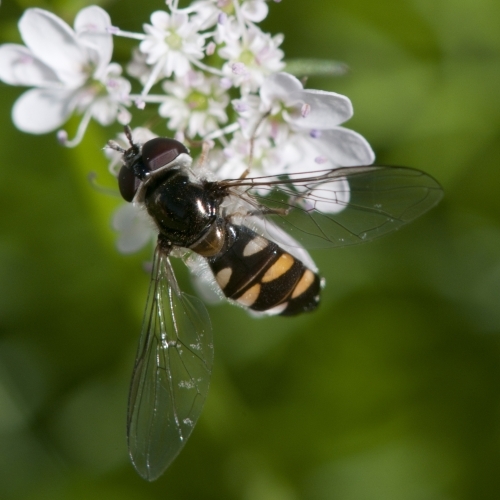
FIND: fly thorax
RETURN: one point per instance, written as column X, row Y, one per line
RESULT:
column 182, row 209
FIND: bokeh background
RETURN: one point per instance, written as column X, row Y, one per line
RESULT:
column 390, row 391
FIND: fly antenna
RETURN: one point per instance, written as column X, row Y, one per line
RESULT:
column 114, row 145
column 128, row 133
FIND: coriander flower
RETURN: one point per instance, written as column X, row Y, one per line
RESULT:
column 286, row 106
column 303, row 124
column 251, row 58
column 172, row 43
column 263, row 158
column 194, row 103
column 69, row 69
column 209, row 12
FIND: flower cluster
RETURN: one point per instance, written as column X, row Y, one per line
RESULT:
column 212, row 74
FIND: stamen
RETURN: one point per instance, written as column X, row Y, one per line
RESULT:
column 210, row 49
column 305, row 110
column 226, row 83
column 240, row 107
column 114, row 30
column 239, row 68
column 140, row 103
column 63, row 136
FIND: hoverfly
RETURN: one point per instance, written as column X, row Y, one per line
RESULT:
column 239, row 227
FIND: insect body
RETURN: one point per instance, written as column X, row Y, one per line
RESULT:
column 241, row 228
column 259, row 274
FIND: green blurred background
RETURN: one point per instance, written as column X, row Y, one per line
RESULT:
column 390, row 391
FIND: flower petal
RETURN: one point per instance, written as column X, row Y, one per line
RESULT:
column 38, row 111
column 345, row 147
column 18, row 66
column 327, row 109
column 278, row 87
column 91, row 26
column 53, row 42
column 255, row 10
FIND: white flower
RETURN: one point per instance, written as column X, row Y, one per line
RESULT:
column 69, row 69
column 287, row 106
column 172, row 42
column 252, row 58
column 265, row 157
column 194, row 103
column 303, row 124
column 209, row 12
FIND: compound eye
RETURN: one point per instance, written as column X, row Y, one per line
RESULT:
column 160, row 151
column 128, row 183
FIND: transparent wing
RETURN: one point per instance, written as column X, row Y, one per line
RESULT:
column 340, row 207
column 171, row 373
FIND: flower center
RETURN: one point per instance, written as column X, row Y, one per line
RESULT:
column 174, row 41
column 277, row 113
column 226, row 6
column 247, row 57
column 197, row 101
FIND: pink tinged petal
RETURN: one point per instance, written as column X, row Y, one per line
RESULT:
column 92, row 28
column 278, row 87
column 345, row 147
column 178, row 20
column 18, row 66
column 255, row 11
column 53, row 42
column 104, row 111
column 92, row 19
column 38, row 111
column 160, row 19
column 327, row 109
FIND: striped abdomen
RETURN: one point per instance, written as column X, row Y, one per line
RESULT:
column 259, row 274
